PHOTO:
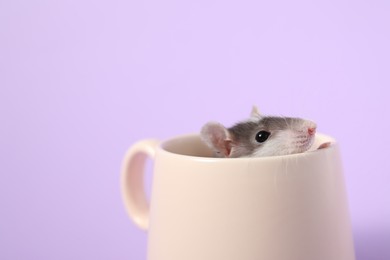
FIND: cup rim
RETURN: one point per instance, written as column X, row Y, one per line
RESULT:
column 310, row 152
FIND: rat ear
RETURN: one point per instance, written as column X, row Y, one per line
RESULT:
column 255, row 113
column 217, row 137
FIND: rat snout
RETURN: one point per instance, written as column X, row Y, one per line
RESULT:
column 311, row 128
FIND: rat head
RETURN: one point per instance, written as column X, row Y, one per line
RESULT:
column 260, row 136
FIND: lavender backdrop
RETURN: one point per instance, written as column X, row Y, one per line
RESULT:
column 80, row 81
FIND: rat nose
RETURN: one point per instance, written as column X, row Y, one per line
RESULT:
column 311, row 130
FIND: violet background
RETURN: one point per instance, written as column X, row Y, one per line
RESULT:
column 80, row 81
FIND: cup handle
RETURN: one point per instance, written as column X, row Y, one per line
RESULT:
column 132, row 181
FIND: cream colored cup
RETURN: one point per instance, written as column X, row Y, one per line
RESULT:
column 290, row 207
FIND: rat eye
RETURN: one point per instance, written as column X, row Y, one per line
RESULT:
column 262, row 136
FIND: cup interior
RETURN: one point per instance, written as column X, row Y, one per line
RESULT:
column 192, row 145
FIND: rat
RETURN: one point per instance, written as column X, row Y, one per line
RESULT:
column 260, row 136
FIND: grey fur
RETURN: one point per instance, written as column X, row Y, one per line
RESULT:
column 243, row 133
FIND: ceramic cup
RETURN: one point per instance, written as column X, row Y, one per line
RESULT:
column 291, row 207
